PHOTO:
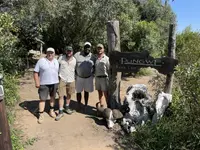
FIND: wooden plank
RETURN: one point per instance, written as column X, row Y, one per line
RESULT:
column 114, row 76
column 132, row 62
column 5, row 141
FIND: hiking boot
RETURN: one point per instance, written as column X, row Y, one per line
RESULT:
column 68, row 110
column 52, row 114
column 41, row 118
column 60, row 115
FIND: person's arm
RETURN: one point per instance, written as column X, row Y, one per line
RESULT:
column 94, row 61
column 36, row 75
column 37, row 80
column 108, row 67
column 60, row 58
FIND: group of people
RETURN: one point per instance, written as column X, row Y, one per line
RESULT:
column 68, row 74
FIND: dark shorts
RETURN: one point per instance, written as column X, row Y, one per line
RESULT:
column 45, row 90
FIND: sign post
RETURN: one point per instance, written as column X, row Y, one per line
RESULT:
column 171, row 54
column 114, row 76
column 132, row 62
column 5, row 141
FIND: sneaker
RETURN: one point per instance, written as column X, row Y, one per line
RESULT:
column 41, row 118
column 60, row 115
column 52, row 114
column 68, row 110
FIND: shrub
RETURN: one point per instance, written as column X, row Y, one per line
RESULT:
column 144, row 72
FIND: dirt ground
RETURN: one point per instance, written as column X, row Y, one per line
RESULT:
column 73, row 132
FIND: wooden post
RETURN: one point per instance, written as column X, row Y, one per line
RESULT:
column 5, row 141
column 115, row 77
column 171, row 53
column 41, row 48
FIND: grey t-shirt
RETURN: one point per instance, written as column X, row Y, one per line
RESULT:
column 102, row 66
column 84, row 64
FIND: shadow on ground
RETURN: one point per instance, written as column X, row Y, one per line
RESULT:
column 99, row 121
column 32, row 107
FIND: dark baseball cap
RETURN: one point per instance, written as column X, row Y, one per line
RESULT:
column 68, row 48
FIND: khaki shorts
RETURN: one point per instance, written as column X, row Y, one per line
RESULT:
column 101, row 83
column 66, row 88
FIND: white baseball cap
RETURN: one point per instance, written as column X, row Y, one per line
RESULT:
column 87, row 43
column 50, row 49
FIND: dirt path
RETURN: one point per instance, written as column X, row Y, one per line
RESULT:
column 73, row 132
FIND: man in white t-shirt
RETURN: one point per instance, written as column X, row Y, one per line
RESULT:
column 46, row 80
column 66, row 85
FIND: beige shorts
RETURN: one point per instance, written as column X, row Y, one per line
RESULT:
column 85, row 84
column 66, row 88
column 101, row 83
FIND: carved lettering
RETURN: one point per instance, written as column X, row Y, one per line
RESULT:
column 139, row 62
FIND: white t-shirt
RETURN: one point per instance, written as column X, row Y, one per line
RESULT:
column 67, row 68
column 48, row 71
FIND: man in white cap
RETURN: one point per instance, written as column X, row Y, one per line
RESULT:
column 46, row 80
column 84, row 73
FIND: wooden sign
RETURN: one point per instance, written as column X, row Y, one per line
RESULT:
column 132, row 62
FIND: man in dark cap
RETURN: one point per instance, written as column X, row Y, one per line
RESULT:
column 66, row 85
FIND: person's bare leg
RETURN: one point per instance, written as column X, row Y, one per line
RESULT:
column 52, row 103
column 79, row 97
column 41, row 106
column 41, row 111
column 100, row 93
column 68, row 100
column 61, row 103
column 67, row 108
column 86, row 97
column 105, row 93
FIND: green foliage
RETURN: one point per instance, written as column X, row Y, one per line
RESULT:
column 187, row 47
column 11, row 86
column 143, row 26
column 16, row 140
column 11, row 55
column 30, row 141
column 144, row 72
column 146, row 36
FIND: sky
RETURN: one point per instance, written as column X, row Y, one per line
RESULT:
column 188, row 14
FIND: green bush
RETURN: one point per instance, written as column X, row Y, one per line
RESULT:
column 144, row 72
column 16, row 140
column 12, row 55
column 11, row 89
